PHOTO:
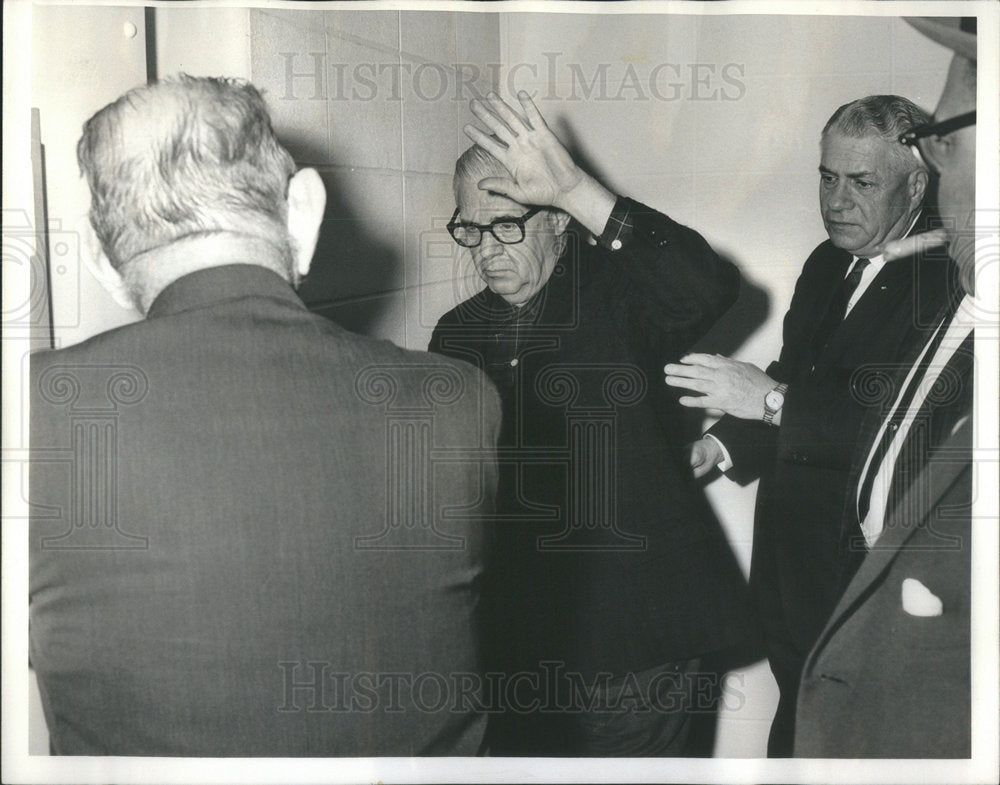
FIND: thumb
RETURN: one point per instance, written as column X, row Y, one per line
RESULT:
column 696, row 454
column 504, row 186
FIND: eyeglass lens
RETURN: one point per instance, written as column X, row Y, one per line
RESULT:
column 508, row 232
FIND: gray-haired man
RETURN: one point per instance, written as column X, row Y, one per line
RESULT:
column 218, row 567
column 796, row 425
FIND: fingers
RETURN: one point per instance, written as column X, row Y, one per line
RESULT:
column 695, row 383
column 697, row 402
column 701, row 469
column 492, row 121
column 704, row 456
column 689, row 362
column 503, row 110
column 535, row 118
column 917, row 243
column 503, row 186
column 487, row 142
column 708, row 360
column 675, row 371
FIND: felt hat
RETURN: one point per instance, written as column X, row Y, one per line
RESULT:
column 956, row 33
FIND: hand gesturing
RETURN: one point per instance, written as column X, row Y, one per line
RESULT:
column 541, row 170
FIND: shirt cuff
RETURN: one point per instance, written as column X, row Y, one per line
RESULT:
column 727, row 461
column 620, row 226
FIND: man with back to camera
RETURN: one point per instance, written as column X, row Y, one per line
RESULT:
column 890, row 675
column 612, row 583
column 216, row 567
column 851, row 309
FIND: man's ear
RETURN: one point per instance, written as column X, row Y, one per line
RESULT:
column 101, row 268
column 306, row 203
column 917, row 186
column 558, row 221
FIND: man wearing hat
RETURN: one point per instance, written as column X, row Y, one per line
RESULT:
column 890, row 673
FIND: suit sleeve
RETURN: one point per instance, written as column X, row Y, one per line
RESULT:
column 818, row 412
column 753, row 444
column 664, row 277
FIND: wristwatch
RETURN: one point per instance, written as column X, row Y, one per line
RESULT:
column 773, row 402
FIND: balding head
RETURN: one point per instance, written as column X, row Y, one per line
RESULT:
column 184, row 158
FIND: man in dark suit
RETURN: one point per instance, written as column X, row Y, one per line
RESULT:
column 253, row 533
column 890, row 673
column 612, row 583
column 850, row 309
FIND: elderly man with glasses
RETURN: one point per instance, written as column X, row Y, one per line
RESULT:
column 611, row 581
column 853, row 317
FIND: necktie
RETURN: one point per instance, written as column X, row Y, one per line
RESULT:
column 838, row 305
column 897, row 416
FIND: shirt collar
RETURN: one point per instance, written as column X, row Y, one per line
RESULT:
column 213, row 285
column 878, row 262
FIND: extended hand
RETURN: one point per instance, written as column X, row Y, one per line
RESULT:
column 542, row 171
column 705, row 454
column 735, row 387
column 914, row 244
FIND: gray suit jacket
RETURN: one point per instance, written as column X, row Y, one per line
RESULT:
column 254, row 533
column 890, row 676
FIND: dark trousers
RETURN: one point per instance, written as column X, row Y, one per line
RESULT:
column 787, row 669
column 643, row 714
column 654, row 715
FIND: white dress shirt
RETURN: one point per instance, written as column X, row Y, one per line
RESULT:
column 959, row 329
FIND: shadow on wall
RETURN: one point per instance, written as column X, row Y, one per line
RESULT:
column 746, row 316
column 353, row 268
column 748, row 313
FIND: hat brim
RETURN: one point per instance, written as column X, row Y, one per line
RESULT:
column 945, row 31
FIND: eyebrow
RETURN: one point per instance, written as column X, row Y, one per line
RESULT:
column 498, row 219
column 853, row 175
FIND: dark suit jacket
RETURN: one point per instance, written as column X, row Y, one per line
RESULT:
column 608, row 558
column 882, row 681
column 801, row 555
column 218, row 567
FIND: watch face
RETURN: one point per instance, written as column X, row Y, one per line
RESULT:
column 774, row 400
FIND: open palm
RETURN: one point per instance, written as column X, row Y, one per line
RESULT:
column 541, row 170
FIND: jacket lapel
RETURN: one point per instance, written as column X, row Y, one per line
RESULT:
column 881, row 293
column 930, row 485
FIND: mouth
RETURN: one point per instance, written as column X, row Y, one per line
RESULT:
column 495, row 269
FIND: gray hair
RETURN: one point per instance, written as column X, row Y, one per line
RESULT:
column 885, row 116
column 180, row 158
column 475, row 164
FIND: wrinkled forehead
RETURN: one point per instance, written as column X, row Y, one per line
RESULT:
column 869, row 153
column 478, row 206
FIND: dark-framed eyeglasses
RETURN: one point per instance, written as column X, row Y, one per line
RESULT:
column 508, row 231
column 927, row 141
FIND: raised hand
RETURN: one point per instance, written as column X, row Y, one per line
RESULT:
column 541, row 170
column 734, row 387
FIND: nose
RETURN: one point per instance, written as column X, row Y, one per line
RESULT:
column 489, row 246
column 840, row 198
